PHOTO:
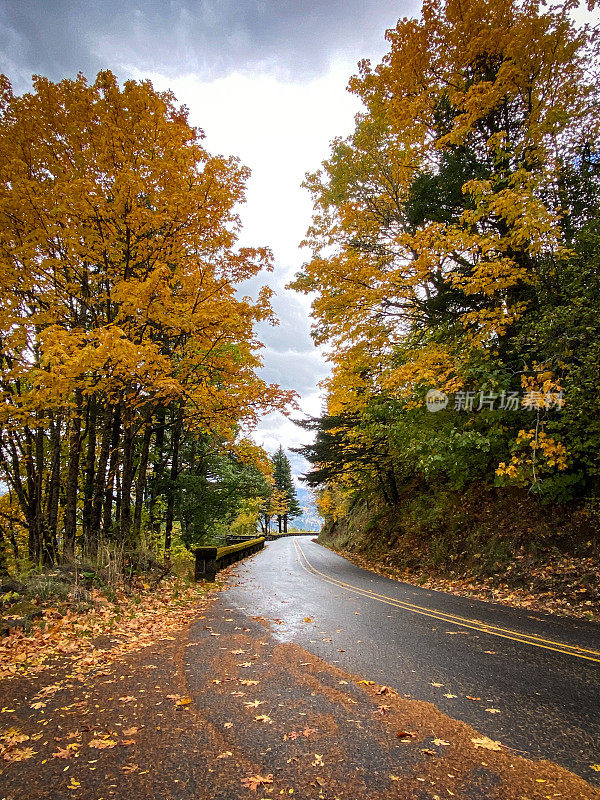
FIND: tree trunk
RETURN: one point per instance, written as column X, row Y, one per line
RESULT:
column 30, row 511
column 170, row 515
column 113, row 466
column 45, row 535
column 127, row 477
column 393, row 486
column 142, row 477
column 72, row 480
column 54, row 484
column 159, row 469
column 3, row 559
column 100, row 484
column 13, row 473
column 90, row 468
column 14, row 543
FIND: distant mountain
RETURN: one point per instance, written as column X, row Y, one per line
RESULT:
column 310, row 519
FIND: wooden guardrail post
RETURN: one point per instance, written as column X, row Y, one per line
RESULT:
column 206, row 563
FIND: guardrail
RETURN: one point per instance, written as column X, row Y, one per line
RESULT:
column 270, row 537
column 209, row 560
column 274, row 536
column 239, row 538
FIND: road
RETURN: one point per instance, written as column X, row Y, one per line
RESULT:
column 529, row 680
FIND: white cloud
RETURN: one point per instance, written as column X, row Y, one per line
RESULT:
column 281, row 130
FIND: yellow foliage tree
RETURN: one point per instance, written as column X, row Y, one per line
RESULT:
column 119, row 307
column 429, row 219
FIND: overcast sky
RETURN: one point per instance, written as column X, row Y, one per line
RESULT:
column 266, row 81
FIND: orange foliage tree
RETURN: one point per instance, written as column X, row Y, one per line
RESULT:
column 122, row 329
column 435, row 219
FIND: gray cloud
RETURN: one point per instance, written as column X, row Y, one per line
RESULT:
column 292, row 38
column 298, row 371
column 292, row 334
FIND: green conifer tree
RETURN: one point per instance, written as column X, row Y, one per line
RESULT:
column 282, row 475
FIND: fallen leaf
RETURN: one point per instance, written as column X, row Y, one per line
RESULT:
column 102, row 744
column 127, row 698
column 226, row 754
column 130, row 768
column 14, row 736
column 318, row 762
column 367, row 683
column 254, row 703
column 249, row 683
column 440, row 742
column 66, row 752
column 12, row 755
column 264, row 718
column 307, row 619
column 252, row 782
column 405, row 734
column 493, row 710
column 472, row 698
column 450, row 695
column 130, row 731
column 383, row 690
column 488, row 744
column 383, row 710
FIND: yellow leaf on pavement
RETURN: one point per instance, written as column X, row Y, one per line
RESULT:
column 487, row 743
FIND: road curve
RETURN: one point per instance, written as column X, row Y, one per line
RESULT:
column 528, row 680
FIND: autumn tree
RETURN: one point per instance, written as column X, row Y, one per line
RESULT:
column 442, row 226
column 122, row 331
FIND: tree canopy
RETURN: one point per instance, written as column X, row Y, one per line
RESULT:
column 124, row 337
column 454, row 239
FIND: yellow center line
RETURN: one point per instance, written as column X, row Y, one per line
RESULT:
column 464, row 622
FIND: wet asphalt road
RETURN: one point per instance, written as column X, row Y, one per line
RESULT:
column 526, row 679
